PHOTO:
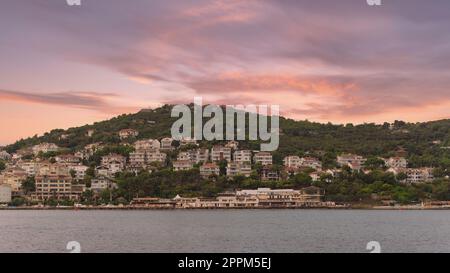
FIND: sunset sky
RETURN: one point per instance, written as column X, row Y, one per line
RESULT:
column 323, row 60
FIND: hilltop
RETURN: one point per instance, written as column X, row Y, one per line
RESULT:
column 422, row 143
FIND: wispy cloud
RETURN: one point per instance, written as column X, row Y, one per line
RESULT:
column 82, row 100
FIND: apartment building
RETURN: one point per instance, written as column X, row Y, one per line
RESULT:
column 166, row 144
column 242, row 156
column 292, row 161
column 44, row 148
column 53, row 181
column 147, row 144
column 13, row 176
column 219, row 153
column 264, row 158
column 182, row 165
column 209, row 169
column 5, row 193
column 234, row 169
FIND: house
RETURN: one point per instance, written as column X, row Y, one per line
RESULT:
column 355, row 161
column 44, row 148
column 268, row 173
column 67, row 158
column 79, row 170
column 127, row 133
column 5, row 193
column 292, row 161
column 5, row 156
column 116, row 158
column 30, row 167
column 242, row 156
column 219, row 153
column 53, row 181
column 209, row 169
column 102, row 171
column 166, row 144
column 396, row 162
column 187, row 141
column 182, row 165
column 419, row 175
column 102, row 183
column 92, row 148
column 234, row 169
column 13, row 176
column 311, row 162
column 201, row 155
column 197, row 156
column 263, row 158
column 147, row 144
column 143, row 158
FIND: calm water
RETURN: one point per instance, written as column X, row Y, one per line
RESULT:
column 225, row 231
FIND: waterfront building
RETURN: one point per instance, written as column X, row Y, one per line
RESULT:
column 102, row 183
column 13, row 176
column 5, row 193
column 53, row 181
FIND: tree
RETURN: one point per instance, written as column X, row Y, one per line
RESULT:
column 2, row 165
column 29, row 185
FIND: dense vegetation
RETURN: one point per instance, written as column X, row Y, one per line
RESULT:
column 423, row 144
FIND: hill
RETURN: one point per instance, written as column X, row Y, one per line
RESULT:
column 423, row 143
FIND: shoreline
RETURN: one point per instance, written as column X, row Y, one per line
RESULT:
column 380, row 208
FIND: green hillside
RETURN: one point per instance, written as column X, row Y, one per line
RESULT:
column 298, row 137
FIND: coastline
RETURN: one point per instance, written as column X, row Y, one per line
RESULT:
column 124, row 208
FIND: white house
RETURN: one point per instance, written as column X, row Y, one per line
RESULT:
column 5, row 193
column 44, row 148
column 264, row 158
column 126, row 133
column 242, row 156
column 219, row 153
column 396, row 162
column 182, row 165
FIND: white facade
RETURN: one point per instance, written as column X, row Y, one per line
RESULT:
column 243, row 156
column 292, row 161
column 44, row 148
column 234, row 169
column 5, row 193
column 219, row 153
column 147, row 144
column 264, row 158
column 396, row 162
column 182, row 165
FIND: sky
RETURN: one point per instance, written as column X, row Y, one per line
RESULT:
column 323, row 60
